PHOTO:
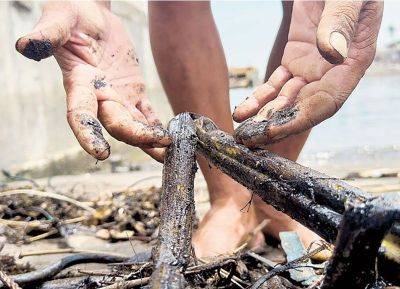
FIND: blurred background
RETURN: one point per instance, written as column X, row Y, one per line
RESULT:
column 36, row 141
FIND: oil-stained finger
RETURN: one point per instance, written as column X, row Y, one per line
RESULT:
column 81, row 115
column 262, row 95
column 312, row 107
column 52, row 31
column 255, row 131
column 286, row 98
column 118, row 121
column 315, row 102
column 145, row 107
column 105, row 92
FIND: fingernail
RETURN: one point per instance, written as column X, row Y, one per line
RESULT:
column 83, row 36
column 339, row 43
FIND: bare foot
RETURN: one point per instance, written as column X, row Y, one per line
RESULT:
column 279, row 222
column 225, row 227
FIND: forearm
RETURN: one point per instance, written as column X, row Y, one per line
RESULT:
column 280, row 41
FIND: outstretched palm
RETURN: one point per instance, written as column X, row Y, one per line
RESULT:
column 101, row 73
column 306, row 89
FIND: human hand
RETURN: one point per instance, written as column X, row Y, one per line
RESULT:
column 330, row 46
column 101, row 74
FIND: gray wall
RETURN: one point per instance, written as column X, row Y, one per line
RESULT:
column 34, row 127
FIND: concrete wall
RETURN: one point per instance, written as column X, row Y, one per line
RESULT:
column 32, row 109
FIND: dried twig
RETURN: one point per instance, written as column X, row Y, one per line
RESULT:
column 282, row 268
column 214, row 265
column 36, row 224
column 265, row 261
column 249, row 236
column 42, row 236
column 51, row 270
column 63, row 251
column 7, row 281
column 128, row 284
column 142, row 180
column 48, row 195
column 234, row 279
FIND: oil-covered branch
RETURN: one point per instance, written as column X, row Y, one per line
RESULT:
column 177, row 206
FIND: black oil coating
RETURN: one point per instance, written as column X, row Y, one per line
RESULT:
column 251, row 129
column 99, row 82
column 99, row 143
column 363, row 228
column 159, row 132
column 333, row 59
column 38, row 49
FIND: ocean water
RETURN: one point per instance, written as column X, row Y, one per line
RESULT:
column 364, row 134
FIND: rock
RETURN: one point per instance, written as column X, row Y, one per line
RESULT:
column 121, row 235
column 274, row 283
column 140, row 228
column 103, row 234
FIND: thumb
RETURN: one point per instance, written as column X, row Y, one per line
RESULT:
column 52, row 31
column 336, row 29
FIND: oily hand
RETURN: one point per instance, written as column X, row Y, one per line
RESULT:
column 101, row 73
column 330, row 46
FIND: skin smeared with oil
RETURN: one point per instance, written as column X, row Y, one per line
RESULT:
column 101, row 148
column 99, row 82
column 156, row 129
column 177, row 211
column 253, row 133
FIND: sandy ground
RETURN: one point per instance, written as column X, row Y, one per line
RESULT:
column 99, row 183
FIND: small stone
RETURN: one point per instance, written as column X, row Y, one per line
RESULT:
column 103, row 234
column 121, row 235
column 140, row 228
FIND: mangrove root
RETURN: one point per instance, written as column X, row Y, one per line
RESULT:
column 50, row 271
column 177, row 213
column 325, row 205
column 363, row 228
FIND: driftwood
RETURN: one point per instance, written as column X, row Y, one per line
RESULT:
column 362, row 230
column 53, row 269
column 173, row 250
column 8, row 281
column 335, row 210
column 84, row 282
column 264, row 175
column 314, row 199
column 325, row 205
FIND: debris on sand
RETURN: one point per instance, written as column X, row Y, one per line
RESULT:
column 120, row 216
column 9, row 265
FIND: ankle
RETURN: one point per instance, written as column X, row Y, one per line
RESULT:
column 235, row 198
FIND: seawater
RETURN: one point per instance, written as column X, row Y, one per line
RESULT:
column 364, row 134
